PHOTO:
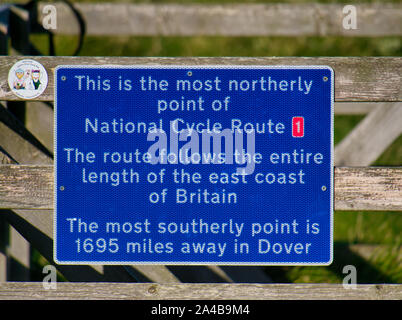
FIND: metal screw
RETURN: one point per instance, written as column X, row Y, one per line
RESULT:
column 325, row 79
column 189, row 73
column 152, row 289
column 323, row 188
column 63, row 78
column 61, row 188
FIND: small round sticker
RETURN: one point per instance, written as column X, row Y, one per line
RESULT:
column 27, row 79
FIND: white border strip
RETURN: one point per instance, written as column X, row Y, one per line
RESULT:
column 218, row 67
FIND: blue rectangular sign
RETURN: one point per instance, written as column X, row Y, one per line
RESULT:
column 194, row 165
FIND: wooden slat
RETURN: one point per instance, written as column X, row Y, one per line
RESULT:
column 369, row 188
column 15, row 254
column 229, row 19
column 356, row 78
column 13, row 139
column 39, row 121
column 356, row 108
column 371, row 137
column 4, row 227
column 4, row 24
column 19, row 252
column 370, row 252
column 366, row 188
column 141, row 291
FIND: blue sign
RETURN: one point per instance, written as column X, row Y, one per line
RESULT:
column 194, row 165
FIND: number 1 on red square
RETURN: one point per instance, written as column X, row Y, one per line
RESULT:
column 297, row 127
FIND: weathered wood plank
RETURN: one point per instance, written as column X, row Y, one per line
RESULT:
column 356, row 78
column 13, row 139
column 15, row 251
column 356, row 108
column 366, row 188
column 372, row 251
column 4, row 237
column 371, row 137
column 229, row 19
column 39, row 120
column 33, row 181
column 4, row 25
column 142, row 291
column 19, row 253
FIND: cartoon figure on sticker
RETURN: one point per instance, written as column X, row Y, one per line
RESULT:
column 20, row 77
column 35, row 78
column 27, row 79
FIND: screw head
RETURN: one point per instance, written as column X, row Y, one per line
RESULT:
column 152, row 289
column 323, row 188
column 325, row 79
column 189, row 73
column 61, row 188
column 63, row 78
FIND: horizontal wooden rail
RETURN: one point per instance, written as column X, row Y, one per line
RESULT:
column 311, row 19
column 366, row 188
column 356, row 78
column 193, row 291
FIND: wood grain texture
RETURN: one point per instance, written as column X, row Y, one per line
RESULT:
column 33, row 181
column 39, row 121
column 4, row 240
column 19, row 252
column 356, row 78
column 312, row 19
column 366, row 188
column 371, row 137
column 13, row 139
column 142, row 291
column 356, row 108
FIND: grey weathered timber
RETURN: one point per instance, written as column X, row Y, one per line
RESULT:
column 19, row 29
column 373, row 251
column 371, row 137
column 356, row 78
column 294, row 19
column 4, row 227
column 13, row 140
column 24, row 151
column 4, row 22
column 357, row 108
column 19, row 253
column 368, row 188
column 358, row 188
column 180, row 291
column 35, row 183
column 15, row 251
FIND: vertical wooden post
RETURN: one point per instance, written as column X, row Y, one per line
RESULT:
column 4, row 227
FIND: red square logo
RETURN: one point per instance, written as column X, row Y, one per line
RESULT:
column 298, row 127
